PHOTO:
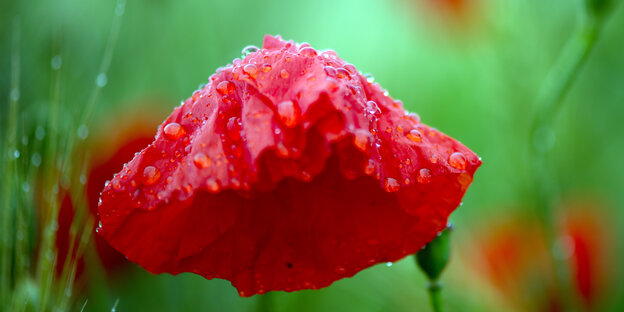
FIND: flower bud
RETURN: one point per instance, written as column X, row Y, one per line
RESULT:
column 432, row 259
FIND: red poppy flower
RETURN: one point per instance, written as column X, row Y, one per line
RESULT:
column 287, row 171
column 115, row 146
column 516, row 259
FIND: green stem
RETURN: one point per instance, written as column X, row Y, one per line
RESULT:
column 265, row 303
column 551, row 96
column 435, row 296
column 550, row 99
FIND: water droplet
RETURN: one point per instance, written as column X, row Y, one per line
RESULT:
column 201, row 160
column 388, row 264
column 330, row 71
column 137, row 199
column 464, row 179
column 212, row 185
column 266, row 68
column 424, row 176
column 56, row 62
column 434, row 158
column 282, row 151
column 284, row 73
column 288, row 113
column 151, row 175
column 15, row 94
column 341, row 270
column 305, row 176
column 225, row 87
column 391, row 185
column 251, row 70
column 16, row 154
column 249, row 49
column 174, row 131
column 414, row 135
column 361, row 140
column 369, row 169
column 307, row 52
column 26, row 187
column 116, row 185
column 350, row 68
column 234, row 128
column 369, row 77
column 83, row 131
column 40, row 133
column 413, row 117
column 457, row 160
column 372, row 108
column 101, row 80
column 342, row 73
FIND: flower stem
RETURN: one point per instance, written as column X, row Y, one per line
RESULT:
column 435, row 296
column 265, row 303
column 550, row 98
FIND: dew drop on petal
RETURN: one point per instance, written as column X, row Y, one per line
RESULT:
column 174, row 131
column 369, row 169
column 413, row 117
column 307, row 52
column 151, row 175
column 248, row 50
column 391, row 185
column 266, row 68
column 284, row 74
column 424, row 176
column 372, row 108
column 288, row 113
column 361, row 140
column 137, row 199
column 212, row 185
column 116, row 185
column 225, row 87
column 457, row 160
column 342, row 73
column 330, row 71
column 201, row 160
column 340, row 270
column 234, row 128
column 464, row 179
column 414, row 135
column 251, row 70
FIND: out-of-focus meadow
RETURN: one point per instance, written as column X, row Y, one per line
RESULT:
column 80, row 80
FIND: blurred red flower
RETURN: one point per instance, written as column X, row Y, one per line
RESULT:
column 288, row 171
column 516, row 258
column 112, row 145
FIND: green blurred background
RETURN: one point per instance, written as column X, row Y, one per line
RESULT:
column 472, row 70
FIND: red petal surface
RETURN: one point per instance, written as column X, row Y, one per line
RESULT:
column 287, row 171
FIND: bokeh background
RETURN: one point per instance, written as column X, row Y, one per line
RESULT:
column 471, row 68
